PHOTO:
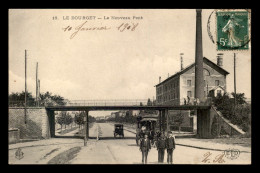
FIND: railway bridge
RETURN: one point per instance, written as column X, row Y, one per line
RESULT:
column 204, row 113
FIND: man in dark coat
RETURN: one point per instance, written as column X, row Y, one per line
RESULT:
column 170, row 144
column 161, row 145
column 145, row 146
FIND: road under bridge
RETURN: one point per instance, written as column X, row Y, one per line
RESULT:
column 203, row 115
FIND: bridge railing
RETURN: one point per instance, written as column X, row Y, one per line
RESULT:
column 107, row 102
column 126, row 102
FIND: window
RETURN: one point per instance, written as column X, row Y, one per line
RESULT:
column 189, row 93
column 204, row 83
column 189, row 82
column 206, row 72
column 216, row 82
column 218, row 92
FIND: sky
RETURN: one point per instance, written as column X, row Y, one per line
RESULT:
column 109, row 64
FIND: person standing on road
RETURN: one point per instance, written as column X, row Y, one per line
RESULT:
column 161, row 145
column 145, row 146
column 170, row 144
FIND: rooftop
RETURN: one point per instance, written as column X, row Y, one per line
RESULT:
column 206, row 60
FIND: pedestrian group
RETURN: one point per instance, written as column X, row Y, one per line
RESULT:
column 161, row 142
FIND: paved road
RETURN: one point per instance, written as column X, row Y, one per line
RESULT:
column 108, row 150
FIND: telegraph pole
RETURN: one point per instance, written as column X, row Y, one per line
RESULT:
column 235, row 92
column 25, row 104
column 39, row 91
column 37, row 84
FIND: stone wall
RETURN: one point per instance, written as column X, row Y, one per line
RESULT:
column 13, row 135
column 37, row 125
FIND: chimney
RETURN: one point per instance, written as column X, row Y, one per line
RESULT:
column 168, row 75
column 220, row 59
column 199, row 79
column 181, row 61
column 159, row 79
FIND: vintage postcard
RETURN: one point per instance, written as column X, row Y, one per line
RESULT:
column 129, row 86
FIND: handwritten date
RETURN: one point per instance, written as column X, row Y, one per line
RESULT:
column 82, row 27
column 127, row 26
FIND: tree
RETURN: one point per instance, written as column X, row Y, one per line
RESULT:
column 239, row 114
column 50, row 99
column 79, row 119
column 91, row 119
column 178, row 119
column 61, row 119
column 240, row 97
column 18, row 99
column 68, row 119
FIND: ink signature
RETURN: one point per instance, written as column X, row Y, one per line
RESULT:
column 122, row 27
column 209, row 158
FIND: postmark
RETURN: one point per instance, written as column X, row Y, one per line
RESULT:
column 232, row 153
column 232, row 30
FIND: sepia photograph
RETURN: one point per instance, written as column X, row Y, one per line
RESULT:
column 129, row 86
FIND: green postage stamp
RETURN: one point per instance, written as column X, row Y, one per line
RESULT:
column 232, row 29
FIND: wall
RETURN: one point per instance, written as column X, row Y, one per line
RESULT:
column 37, row 126
column 170, row 92
column 13, row 135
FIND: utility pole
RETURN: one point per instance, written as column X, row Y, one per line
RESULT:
column 39, row 91
column 37, row 84
column 235, row 92
column 25, row 104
